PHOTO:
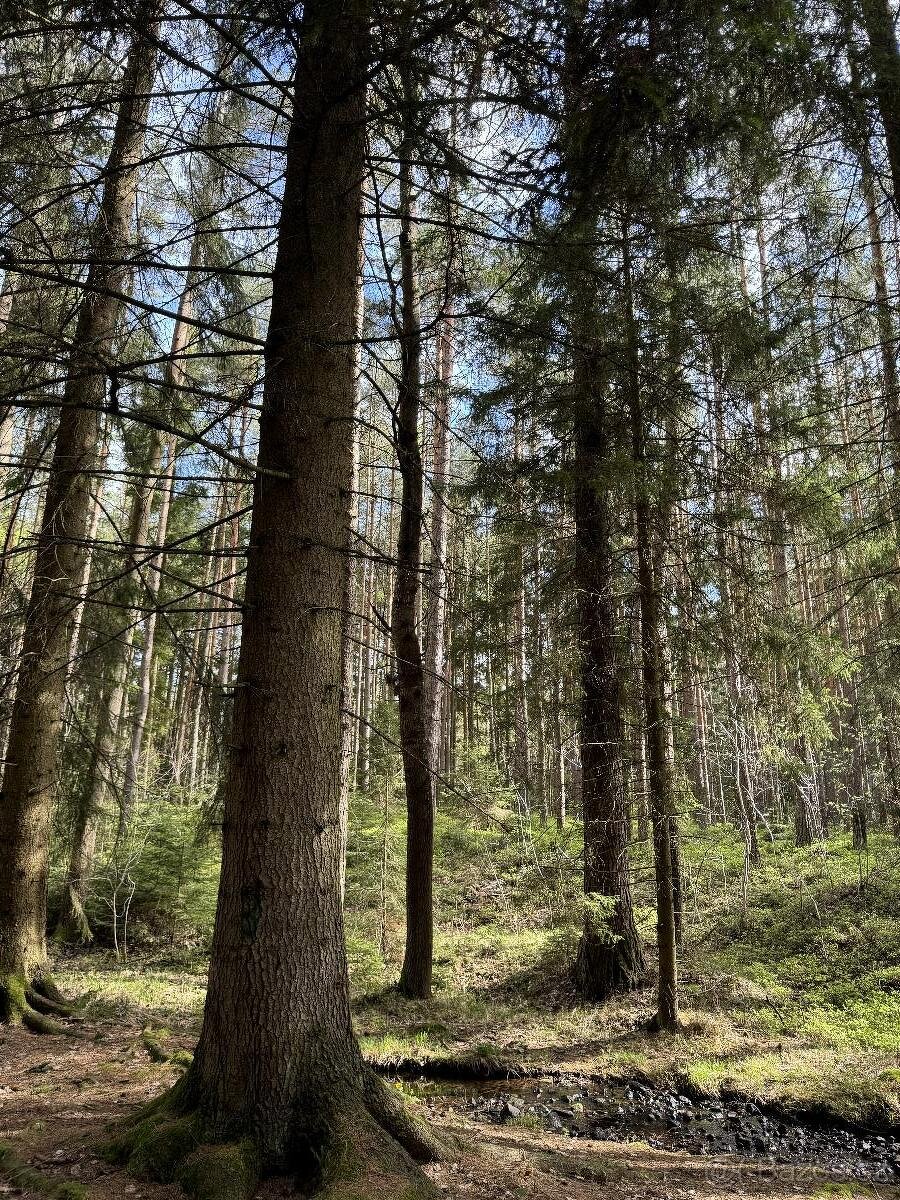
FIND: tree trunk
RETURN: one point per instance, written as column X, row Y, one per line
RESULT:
column 649, row 539
column 610, row 957
column 278, row 1082
column 436, row 611
column 29, row 783
column 415, row 975
column 145, row 676
column 885, row 62
column 349, row 720
column 521, row 747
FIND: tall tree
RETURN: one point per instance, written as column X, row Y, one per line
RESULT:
column 610, row 957
column 415, row 975
column 885, row 62
column 29, row 781
column 278, row 1074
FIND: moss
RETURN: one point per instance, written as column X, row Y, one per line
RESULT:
column 71, row 1191
column 27, row 1179
column 24, row 1003
column 13, row 1004
column 156, row 1145
column 155, row 1049
column 226, row 1171
column 363, row 1162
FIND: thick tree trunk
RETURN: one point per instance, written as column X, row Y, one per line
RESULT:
column 278, row 1082
column 610, row 956
column 415, row 975
column 29, row 783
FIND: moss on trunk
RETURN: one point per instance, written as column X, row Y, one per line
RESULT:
column 32, row 1002
column 368, row 1149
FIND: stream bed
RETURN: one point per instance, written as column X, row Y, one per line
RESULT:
column 578, row 1107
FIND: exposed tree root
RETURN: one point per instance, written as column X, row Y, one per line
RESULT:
column 43, row 1004
column 368, row 1150
column 45, row 987
column 397, row 1119
column 367, row 1162
column 158, row 1052
column 654, row 1025
column 33, row 1003
column 38, row 1023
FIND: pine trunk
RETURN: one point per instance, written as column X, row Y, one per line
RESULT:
column 415, row 975
column 278, row 1080
column 30, row 777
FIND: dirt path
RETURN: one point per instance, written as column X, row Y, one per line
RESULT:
column 58, row 1095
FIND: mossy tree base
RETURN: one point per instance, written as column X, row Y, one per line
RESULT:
column 607, row 966
column 369, row 1150
column 33, row 1003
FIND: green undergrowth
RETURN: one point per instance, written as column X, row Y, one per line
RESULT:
column 790, row 989
column 165, row 989
column 791, row 992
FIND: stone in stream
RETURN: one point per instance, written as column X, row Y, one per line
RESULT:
column 673, row 1121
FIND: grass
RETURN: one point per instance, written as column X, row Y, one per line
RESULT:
column 164, row 991
column 790, row 993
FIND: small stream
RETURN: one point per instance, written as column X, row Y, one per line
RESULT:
column 577, row 1107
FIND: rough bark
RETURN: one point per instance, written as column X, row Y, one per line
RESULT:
column 29, row 783
column 278, row 1082
column 650, row 536
column 610, row 957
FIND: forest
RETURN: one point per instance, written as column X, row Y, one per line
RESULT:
column 449, row 599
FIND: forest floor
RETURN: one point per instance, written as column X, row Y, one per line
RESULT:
column 784, row 1082
column 60, row 1095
